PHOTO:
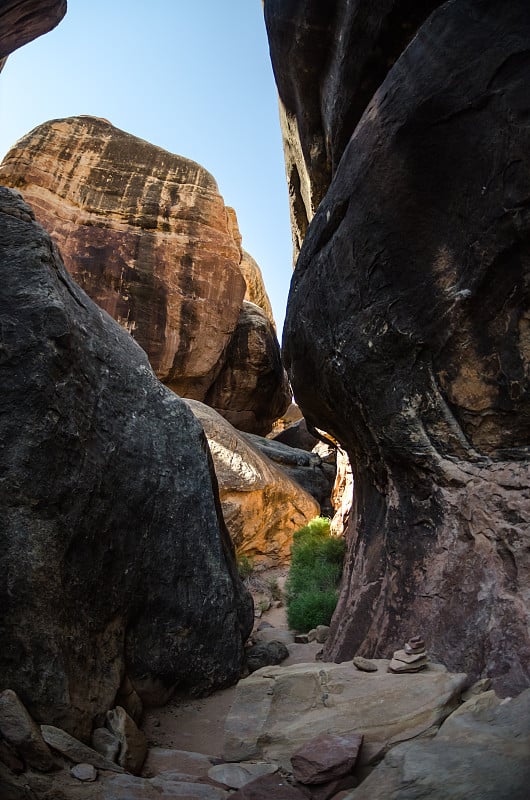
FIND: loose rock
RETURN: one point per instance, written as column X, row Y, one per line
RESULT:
column 326, row 757
column 84, row 772
column 364, row 664
column 20, row 730
column 133, row 744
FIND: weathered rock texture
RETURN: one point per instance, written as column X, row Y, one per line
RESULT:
column 255, row 291
column 481, row 754
column 409, row 306
column 262, row 506
column 328, row 60
column 145, row 233
column 252, row 388
column 21, row 21
column 307, row 469
column 113, row 555
column 278, row 709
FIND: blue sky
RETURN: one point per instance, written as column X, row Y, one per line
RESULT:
column 194, row 78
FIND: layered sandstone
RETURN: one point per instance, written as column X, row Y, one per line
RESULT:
column 262, row 505
column 145, row 233
column 409, row 310
column 114, row 557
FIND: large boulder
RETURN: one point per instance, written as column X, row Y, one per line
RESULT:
column 328, row 60
column 145, row 233
column 278, row 709
column 21, row 21
column 114, row 557
column 252, row 388
column 409, row 308
column 305, row 468
column 477, row 753
column 262, row 506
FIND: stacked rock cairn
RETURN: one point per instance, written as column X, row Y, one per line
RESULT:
column 412, row 658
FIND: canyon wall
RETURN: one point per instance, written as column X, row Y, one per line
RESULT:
column 409, row 309
column 114, row 555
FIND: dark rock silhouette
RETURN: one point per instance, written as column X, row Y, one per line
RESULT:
column 409, row 309
column 21, row 21
column 114, row 557
column 328, row 60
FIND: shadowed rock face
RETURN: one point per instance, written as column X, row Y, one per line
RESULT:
column 409, row 307
column 252, row 388
column 113, row 553
column 24, row 20
column 145, row 233
column 328, row 60
column 262, row 505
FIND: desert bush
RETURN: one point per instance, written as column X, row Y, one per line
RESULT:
column 316, row 566
column 245, row 566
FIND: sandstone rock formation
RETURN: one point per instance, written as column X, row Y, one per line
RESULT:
column 24, row 20
column 114, row 557
column 145, row 233
column 252, row 388
column 479, row 753
column 278, row 709
column 328, row 60
column 409, row 306
column 307, row 469
column 262, row 506
column 255, row 291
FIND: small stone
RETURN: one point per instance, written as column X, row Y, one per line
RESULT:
column 106, row 743
column 312, row 635
column 301, row 638
column 409, row 658
column 156, row 722
column 75, row 750
column 237, row 775
column 133, row 744
column 84, row 772
column 415, row 645
column 266, row 654
column 322, row 633
column 326, row 758
column 401, row 667
column 364, row 664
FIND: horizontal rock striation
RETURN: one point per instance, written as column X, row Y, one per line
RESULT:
column 145, row 233
column 409, row 307
column 114, row 557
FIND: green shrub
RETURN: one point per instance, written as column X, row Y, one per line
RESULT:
column 310, row 609
column 316, row 567
column 245, row 566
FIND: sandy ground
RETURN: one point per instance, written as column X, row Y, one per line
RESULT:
column 198, row 725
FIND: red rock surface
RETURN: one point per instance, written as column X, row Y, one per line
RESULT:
column 21, row 21
column 145, row 233
column 326, row 757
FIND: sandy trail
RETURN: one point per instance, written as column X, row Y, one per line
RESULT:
column 197, row 725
